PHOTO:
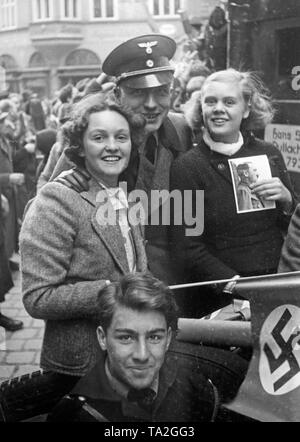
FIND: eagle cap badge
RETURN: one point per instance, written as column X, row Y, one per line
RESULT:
column 148, row 46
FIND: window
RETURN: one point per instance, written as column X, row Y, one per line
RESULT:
column 8, row 14
column 104, row 9
column 37, row 60
column 70, row 9
column 165, row 8
column 82, row 57
column 42, row 10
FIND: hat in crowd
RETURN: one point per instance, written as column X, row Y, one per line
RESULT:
column 142, row 61
column 45, row 139
column 5, row 108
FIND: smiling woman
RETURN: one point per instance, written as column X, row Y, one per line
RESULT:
column 230, row 105
column 68, row 256
column 107, row 146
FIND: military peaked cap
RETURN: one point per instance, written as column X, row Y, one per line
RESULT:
column 142, row 61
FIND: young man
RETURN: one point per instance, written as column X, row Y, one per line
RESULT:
column 139, row 381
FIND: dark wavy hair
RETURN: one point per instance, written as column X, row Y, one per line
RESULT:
column 73, row 131
column 137, row 291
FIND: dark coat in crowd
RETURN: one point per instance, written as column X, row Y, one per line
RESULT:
column 34, row 108
column 45, row 139
column 67, row 255
column 6, row 282
column 9, row 191
column 26, row 163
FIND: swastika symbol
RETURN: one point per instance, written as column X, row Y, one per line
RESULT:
column 287, row 353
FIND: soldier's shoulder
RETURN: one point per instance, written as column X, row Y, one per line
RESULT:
column 178, row 119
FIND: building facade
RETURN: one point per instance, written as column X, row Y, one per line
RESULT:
column 46, row 43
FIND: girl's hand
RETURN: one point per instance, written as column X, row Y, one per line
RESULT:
column 273, row 190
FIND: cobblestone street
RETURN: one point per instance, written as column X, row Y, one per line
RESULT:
column 20, row 350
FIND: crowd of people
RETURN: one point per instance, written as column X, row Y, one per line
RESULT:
column 87, row 265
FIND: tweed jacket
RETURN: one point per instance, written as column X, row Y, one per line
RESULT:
column 232, row 243
column 67, row 254
column 184, row 395
column 174, row 138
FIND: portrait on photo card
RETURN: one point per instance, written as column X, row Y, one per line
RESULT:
column 247, row 172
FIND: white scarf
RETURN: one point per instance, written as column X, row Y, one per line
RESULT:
column 228, row 149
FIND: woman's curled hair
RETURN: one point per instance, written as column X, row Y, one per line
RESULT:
column 255, row 94
column 73, row 131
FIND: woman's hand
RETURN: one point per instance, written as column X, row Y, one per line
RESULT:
column 273, row 190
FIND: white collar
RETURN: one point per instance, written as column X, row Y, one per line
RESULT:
column 228, row 149
column 117, row 196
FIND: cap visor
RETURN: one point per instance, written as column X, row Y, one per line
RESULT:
column 149, row 80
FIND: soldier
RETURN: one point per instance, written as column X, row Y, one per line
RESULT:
column 144, row 78
column 247, row 200
column 139, row 380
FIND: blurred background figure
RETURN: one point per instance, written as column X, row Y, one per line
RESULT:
column 6, row 282
column 9, row 181
column 20, row 119
column 35, row 109
column 216, row 36
column 45, row 139
column 25, row 162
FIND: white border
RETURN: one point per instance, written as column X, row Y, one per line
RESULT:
column 261, row 160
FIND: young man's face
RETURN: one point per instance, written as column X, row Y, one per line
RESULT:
column 136, row 343
column 153, row 103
